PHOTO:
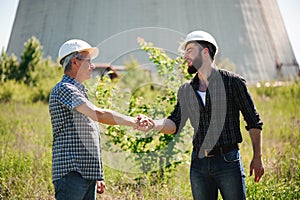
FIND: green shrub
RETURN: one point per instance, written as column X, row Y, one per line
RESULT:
column 38, row 74
column 8, row 67
column 155, row 154
column 12, row 91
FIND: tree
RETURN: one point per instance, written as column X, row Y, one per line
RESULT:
column 30, row 58
column 8, row 66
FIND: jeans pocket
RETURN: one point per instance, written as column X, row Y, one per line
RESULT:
column 232, row 156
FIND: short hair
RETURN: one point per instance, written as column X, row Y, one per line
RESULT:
column 212, row 49
column 67, row 61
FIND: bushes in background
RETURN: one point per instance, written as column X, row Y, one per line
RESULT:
column 31, row 78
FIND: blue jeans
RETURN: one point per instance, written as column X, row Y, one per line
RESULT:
column 223, row 172
column 73, row 187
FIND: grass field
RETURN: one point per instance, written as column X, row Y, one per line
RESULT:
column 26, row 139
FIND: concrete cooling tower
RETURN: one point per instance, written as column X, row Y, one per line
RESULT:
column 250, row 33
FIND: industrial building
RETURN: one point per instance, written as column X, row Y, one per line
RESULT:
column 250, row 33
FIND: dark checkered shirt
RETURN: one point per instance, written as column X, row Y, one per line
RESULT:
column 218, row 122
column 76, row 138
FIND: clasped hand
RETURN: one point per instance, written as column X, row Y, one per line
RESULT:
column 144, row 123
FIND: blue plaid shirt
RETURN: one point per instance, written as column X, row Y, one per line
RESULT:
column 76, row 138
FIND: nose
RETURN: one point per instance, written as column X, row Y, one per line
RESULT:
column 92, row 66
column 185, row 56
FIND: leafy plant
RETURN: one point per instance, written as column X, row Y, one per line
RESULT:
column 154, row 153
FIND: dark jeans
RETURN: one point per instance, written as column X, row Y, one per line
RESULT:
column 73, row 187
column 222, row 172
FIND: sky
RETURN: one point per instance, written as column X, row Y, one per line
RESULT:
column 289, row 11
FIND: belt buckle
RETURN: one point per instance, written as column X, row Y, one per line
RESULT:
column 206, row 153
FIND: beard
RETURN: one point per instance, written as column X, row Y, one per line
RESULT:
column 191, row 69
column 196, row 64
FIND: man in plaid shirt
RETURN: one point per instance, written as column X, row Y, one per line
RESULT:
column 77, row 170
column 212, row 101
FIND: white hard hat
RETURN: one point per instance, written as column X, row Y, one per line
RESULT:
column 200, row 36
column 76, row 45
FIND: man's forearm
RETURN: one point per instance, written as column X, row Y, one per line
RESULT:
column 105, row 116
column 256, row 164
column 256, row 138
column 166, row 126
column 111, row 117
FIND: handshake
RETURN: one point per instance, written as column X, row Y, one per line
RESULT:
column 143, row 123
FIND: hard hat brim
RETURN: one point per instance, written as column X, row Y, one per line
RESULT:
column 93, row 52
column 199, row 36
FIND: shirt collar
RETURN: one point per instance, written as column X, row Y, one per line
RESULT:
column 73, row 81
column 211, row 78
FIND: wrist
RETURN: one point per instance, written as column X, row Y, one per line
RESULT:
column 257, row 156
column 156, row 128
column 133, row 122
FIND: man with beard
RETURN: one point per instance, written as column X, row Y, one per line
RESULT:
column 212, row 101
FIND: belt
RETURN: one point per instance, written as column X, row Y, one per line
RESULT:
column 220, row 150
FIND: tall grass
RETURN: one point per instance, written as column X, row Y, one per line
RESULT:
column 280, row 110
column 25, row 154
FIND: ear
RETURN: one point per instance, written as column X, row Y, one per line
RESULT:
column 73, row 60
column 206, row 50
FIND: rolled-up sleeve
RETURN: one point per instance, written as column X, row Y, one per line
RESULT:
column 179, row 115
column 246, row 105
column 176, row 116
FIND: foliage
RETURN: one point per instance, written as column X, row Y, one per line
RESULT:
column 29, row 80
column 30, row 58
column 8, row 66
column 155, row 153
column 13, row 91
column 25, row 154
column 45, row 76
column 278, row 104
column 26, row 139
